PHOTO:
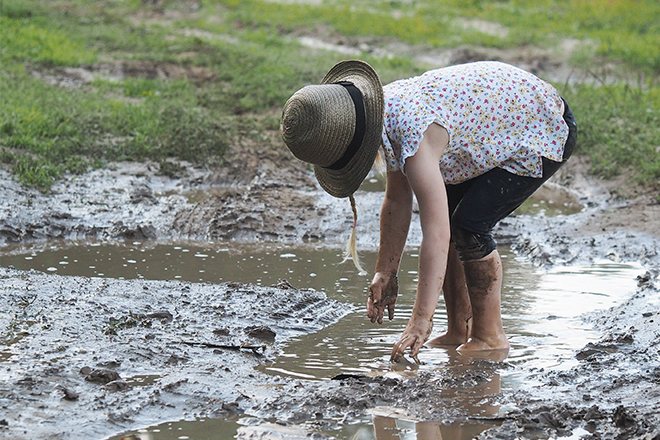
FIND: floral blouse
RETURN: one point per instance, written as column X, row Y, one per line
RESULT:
column 496, row 115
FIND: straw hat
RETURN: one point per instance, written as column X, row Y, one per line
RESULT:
column 337, row 125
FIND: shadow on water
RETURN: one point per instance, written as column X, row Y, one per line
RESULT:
column 541, row 313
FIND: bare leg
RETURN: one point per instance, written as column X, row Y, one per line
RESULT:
column 484, row 281
column 457, row 302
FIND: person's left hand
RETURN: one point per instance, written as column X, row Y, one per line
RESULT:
column 415, row 334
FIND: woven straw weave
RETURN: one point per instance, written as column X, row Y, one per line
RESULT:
column 318, row 123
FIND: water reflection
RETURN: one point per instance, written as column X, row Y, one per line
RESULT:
column 392, row 428
column 200, row 429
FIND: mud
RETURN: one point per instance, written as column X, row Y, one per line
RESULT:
column 90, row 358
column 76, row 350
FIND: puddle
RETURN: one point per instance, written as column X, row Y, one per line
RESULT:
column 389, row 428
column 201, row 429
column 383, row 427
column 373, row 184
column 143, row 380
column 551, row 200
column 541, row 313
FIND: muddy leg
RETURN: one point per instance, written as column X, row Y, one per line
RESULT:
column 484, row 282
column 457, row 302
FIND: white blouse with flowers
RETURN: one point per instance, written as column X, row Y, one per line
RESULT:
column 496, row 115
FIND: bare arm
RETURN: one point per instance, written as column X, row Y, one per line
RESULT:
column 425, row 179
column 394, row 224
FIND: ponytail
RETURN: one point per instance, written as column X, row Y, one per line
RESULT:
column 350, row 253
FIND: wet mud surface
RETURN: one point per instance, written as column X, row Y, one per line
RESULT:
column 90, row 358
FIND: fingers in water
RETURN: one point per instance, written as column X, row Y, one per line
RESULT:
column 400, row 347
column 397, row 352
column 415, row 347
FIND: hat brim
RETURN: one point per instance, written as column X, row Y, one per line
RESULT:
column 345, row 181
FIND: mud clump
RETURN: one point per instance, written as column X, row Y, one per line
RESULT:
column 257, row 214
column 261, row 332
column 101, row 376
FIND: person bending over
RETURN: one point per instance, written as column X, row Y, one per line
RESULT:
column 471, row 143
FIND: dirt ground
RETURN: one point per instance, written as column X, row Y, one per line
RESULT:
column 67, row 372
column 73, row 348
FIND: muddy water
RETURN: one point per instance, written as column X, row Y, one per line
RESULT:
column 550, row 200
column 541, row 312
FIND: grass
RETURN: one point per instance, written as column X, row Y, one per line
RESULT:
column 625, row 30
column 199, row 75
column 619, row 129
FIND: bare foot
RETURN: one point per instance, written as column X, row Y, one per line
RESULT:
column 468, row 357
column 475, row 344
column 446, row 340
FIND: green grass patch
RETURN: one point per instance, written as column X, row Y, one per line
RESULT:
column 26, row 37
column 623, row 30
column 618, row 130
column 184, row 95
column 47, row 130
column 195, row 82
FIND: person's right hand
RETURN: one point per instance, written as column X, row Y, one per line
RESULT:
column 382, row 293
column 417, row 331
